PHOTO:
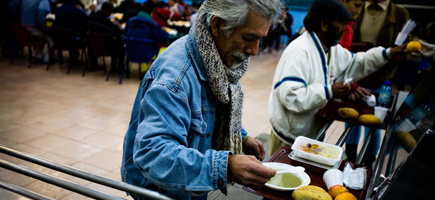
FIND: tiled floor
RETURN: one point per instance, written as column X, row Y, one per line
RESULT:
column 80, row 121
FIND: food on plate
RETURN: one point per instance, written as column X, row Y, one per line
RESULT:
column 348, row 113
column 321, row 150
column 335, row 190
column 405, row 140
column 369, row 120
column 413, row 46
column 345, row 196
column 310, row 192
column 287, row 180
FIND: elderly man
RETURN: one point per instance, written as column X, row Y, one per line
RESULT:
column 185, row 136
column 311, row 72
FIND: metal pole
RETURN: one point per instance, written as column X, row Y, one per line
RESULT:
column 392, row 158
column 343, row 137
column 321, row 133
column 57, row 181
column 85, row 175
column 23, row 191
column 365, row 146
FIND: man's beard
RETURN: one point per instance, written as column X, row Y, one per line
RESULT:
column 330, row 38
column 240, row 59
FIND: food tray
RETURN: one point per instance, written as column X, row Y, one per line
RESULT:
column 303, row 141
column 315, row 173
column 330, row 110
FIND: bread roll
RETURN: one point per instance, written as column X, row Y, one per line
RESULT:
column 311, row 192
column 348, row 113
column 369, row 120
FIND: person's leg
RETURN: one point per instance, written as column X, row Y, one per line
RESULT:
column 275, row 143
column 352, row 142
column 373, row 148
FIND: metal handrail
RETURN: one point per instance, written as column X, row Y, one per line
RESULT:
column 85, row 175
column 56, row 181
column 23, row 191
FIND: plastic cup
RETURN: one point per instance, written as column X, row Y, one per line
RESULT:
column 406, row 126
column 333, row 177
column 370, row 100
column 381, row 112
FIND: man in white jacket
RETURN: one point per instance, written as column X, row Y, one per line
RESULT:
column 312, row 70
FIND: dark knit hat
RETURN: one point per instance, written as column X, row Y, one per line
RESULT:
column 332, row 8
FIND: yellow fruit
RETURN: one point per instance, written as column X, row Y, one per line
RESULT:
column 405, row 140
column 369, row 120
column 336, row 190
column 413, row 46
column 310, row 192
column 345, row 196
column 348, row 113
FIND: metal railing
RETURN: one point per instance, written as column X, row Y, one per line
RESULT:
column 64, row 183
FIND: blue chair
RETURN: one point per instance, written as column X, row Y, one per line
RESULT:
column 139, row 50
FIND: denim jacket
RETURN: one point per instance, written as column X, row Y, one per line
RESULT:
column 167, row 147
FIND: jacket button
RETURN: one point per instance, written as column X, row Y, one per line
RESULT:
column 220, row 183
column 208, row 134
column 210, row 98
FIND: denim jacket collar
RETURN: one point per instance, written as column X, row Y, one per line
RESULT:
column 195, row 56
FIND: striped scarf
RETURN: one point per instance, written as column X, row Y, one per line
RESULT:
column 225, row 84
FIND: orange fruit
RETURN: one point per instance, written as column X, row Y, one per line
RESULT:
column 336, row 190
column 413, row 46
column 345, row 196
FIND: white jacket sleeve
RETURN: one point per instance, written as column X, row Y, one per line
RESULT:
column 361, row 64
column 292, row 86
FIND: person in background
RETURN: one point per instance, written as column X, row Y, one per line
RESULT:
column 175, row 7
column 124, row 6
column 188, row 12
column 33, row 12
column 130, row 12
column 312, row 70
column 284, row 27
column 354, row 7
column 379, row 23
column 100, row 22
column 161, row 15
column 185, row 136
column 73, row 18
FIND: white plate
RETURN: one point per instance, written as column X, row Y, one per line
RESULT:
column 281, row 166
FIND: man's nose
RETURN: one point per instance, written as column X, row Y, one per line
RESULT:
column 252, row 48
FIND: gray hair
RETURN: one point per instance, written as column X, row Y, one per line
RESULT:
column 235, row 12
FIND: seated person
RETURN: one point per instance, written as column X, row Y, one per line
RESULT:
column 130, row 12
column 161, row 15
column 100, row 22
column 312, row 71
column 185, row 137
column 73, row 18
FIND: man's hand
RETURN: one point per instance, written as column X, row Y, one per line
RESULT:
column 339, row 90
column 248, row 171
column 359, row 93
column 254, row 147
column 399, row 50
column 428, row 50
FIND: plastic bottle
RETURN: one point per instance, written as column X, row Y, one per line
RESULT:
column 384, row 94
column 421, row 111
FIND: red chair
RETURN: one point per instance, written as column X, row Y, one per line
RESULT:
column 27, row 39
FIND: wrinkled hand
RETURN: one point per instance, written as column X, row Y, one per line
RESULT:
column 248, row 171
column 252, row 146
column 359, row 93
column 399, row 50
column 428, row 50
column 339, row 90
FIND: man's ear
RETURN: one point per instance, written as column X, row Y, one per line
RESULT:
column 324, row 25
column 216, row 22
